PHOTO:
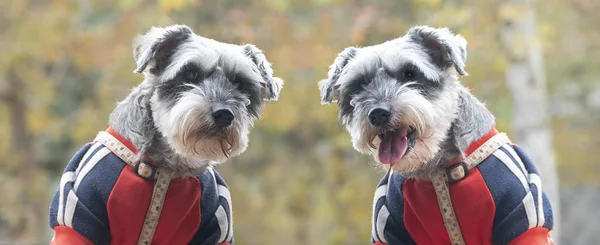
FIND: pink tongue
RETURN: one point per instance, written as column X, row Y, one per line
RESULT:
column 393, row 146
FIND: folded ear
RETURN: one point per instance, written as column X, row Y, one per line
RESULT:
column 271, row 86
column 444, row 47
column 158, row 44
column 329, row 87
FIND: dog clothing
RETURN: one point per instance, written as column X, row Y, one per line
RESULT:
column 498, row 201
column 103, row 200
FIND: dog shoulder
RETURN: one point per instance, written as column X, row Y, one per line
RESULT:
column 388, row 211
column 516, row 188
column 79, row 205
column 216, row 209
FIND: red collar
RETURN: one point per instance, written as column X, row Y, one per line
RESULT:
column 123, row 140
column 473, row 146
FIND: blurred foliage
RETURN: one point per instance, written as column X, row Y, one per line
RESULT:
column 65, row 63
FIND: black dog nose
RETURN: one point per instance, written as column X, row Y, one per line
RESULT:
column 379, row 116
column 223, row 117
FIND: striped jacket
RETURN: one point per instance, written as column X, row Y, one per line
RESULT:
column 101, row 200
column 500, row 201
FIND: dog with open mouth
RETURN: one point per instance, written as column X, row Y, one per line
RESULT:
column 452, row 177
column 150, row 178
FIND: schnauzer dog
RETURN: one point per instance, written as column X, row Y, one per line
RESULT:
column 149, row 178
column 453, row 179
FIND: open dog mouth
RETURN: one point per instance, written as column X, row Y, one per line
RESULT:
column 396, row 144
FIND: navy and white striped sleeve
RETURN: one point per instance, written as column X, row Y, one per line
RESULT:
column 216, row 224
column 77, row 212
column 516, row 187
column 388, row 221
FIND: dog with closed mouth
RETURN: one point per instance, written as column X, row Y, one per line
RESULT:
column 452, row 177
column 149, row 178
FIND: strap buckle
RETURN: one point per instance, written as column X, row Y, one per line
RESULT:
column 145, row 170
column 457, row 172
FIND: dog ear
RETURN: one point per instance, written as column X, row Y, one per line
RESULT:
column 158, row 44
column 329, row 87
column 271, row 86
column 444, row 47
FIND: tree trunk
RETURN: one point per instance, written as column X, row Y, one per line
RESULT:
column 525, row 77
column 22, row 147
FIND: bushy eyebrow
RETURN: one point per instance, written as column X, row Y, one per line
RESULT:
column 360, row 69
column 205, row 64
column 396, row 62
column 393, row 71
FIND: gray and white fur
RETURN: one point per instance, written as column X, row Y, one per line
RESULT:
column 414, row 79
column 198, row 100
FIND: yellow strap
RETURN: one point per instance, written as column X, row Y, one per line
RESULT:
column 450, row 221
column 485, row 150
column 117, row 148
column 158, row 198
column 443, row 193
column 161, row 185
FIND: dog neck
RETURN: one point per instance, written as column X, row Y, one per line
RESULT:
column 472, row 122
column 132, row 119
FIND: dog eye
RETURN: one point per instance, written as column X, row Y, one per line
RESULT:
column 191, row 76
column 408, row 74
column 364, row 82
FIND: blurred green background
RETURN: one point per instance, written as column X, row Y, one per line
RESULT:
column 65, row 63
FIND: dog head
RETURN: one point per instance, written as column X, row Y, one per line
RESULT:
column 206, row 94
column 399, row 98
